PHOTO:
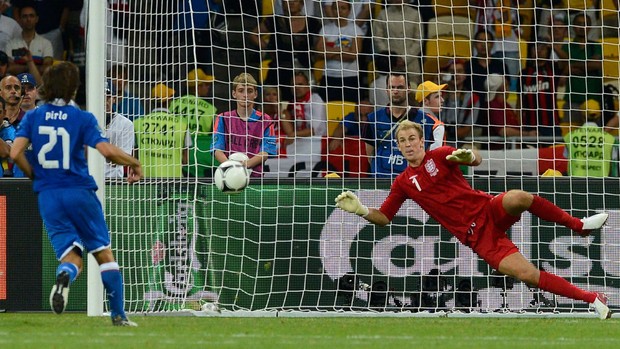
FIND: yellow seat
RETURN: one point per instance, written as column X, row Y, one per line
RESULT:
column 611, row 57
column 523, row 53
column 318, row 68
column 268, row 8
column 448, row 46
column 453, row 8
column 336, row 111
column 450, row 26
column 264, row 69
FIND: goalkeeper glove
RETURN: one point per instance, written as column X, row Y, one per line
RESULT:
column 465, row 156
column 350, row 203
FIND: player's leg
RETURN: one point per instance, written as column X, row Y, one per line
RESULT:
column 66, row 244
column 517, row 266
column 516, row 202
column 113, row 284
column 93, row 230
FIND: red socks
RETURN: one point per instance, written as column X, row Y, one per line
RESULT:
column 548, row 211
column 560, row 286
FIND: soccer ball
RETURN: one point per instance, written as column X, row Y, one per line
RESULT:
column 231, row 177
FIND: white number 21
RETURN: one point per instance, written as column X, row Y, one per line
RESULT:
column 53, row 134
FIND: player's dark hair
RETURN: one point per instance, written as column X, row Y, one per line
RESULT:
column 60, row 81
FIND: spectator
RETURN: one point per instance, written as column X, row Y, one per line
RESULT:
column 198, row 114
column 503, row 120
column 307, row 124
column 339, row 42
column 274, row 107
column 288, row 40
column 30, row 92
column 385, row 62
column 461, row 106
column 162, row 153
column 481, row 65
column 126, row 104
column 589, row 147
column 11, row 93
column 428, row 94
column 119, row 130
column 52, row 25
column 581, row 61
column 9, row 28
column 386, row 160
column 7, row 136
column 398, row 29
column 31, row 52
column 244, row 129
column 352, row 125
column 308, row 8
column 501, row 17
column 559, row 37
column 537, row 87
column 359, row 13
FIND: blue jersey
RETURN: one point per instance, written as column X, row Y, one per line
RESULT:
column 381, row 134
column 58, row 134
column 9, row 169
column 351, row 125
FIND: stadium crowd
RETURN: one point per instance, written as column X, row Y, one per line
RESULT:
column 489, row 74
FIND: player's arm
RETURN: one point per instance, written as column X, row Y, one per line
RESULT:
column 17, row 154
column 5, row 149
column 119, row 157
column 350, row 202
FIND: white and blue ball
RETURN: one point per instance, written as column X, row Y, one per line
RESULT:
column 231, row 177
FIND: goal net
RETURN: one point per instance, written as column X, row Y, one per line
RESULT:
column 516, row 88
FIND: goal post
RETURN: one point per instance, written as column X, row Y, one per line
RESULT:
column 281, row 245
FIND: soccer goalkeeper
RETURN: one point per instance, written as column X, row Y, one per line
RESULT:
column 479, row 220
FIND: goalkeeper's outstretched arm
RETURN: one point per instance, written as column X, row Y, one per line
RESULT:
column 349, row 202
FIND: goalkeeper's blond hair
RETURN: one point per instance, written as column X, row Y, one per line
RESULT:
column 407, row 125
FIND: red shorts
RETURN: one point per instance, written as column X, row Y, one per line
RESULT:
column 488, row 234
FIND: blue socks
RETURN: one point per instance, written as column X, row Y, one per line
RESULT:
column 70, row 268
column 113, row 284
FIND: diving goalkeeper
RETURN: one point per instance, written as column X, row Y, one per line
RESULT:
column 479, row 220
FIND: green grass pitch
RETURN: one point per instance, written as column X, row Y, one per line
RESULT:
column 76, row 330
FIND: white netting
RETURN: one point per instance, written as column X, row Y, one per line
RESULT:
column 280, row 244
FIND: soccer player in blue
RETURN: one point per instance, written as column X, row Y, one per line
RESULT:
column 71, row 211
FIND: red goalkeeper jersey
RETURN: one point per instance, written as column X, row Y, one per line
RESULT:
column 439, row 187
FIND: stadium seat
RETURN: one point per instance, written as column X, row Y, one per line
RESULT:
column 318, row 69
column 453, row 8
column 268, row 8
column 448, row 46
column 450, row 26
column 523, row 53
column 336, row 111
column 611, row 56
column 552, row 158
column 264, row 69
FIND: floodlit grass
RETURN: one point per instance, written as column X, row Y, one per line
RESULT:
column 26, row 330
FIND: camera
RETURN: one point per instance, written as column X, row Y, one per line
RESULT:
column 19, row 52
